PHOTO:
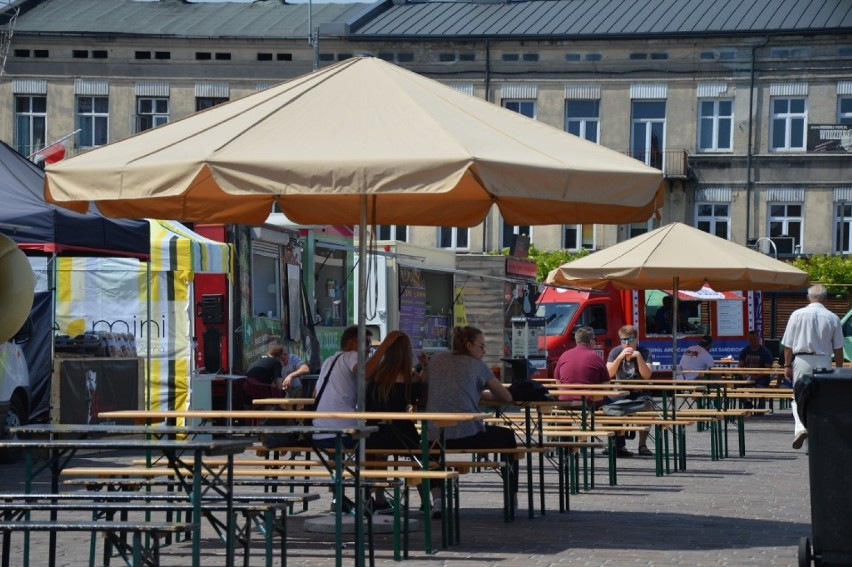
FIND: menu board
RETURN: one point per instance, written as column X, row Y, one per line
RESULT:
column 412, row 314
column 729, row 318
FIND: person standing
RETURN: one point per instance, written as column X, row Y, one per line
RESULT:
column 697, row 357
column 812, row 335
column 755, row 355
column 582, row 365
column 629, row 361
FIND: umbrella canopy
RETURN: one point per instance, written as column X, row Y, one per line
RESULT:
column 678, row 255
column 427, row 153
column 682, row 254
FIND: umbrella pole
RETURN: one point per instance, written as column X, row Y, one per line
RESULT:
column 675, row 310
column 361, row 372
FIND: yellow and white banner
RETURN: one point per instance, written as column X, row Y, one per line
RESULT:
column 153, row 306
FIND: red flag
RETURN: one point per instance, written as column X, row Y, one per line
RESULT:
column 51, row 154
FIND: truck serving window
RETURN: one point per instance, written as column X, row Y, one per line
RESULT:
column 557, row 315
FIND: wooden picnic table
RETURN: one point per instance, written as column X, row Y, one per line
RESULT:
column 440, row 419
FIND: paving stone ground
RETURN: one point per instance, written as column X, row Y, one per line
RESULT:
column 740, row 511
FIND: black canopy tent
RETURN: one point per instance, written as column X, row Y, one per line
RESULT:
column 37, row 225
column 40, row 228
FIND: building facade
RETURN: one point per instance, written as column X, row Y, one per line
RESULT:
column 745, row 106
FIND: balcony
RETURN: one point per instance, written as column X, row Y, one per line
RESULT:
column 673, row 163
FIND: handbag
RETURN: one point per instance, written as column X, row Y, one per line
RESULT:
column 529, row 391
column 294, row 439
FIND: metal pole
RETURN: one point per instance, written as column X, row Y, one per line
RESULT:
column 313, row 37
column 362, row 375
column 674, row 325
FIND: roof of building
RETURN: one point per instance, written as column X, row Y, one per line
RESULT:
column 438, row 19
column 175, row 18
column 588, row 19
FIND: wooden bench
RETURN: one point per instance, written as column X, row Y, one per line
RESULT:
column 369, row 478
column 134, row 553
column 104, row 506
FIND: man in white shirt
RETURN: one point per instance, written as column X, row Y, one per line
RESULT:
column 812, row 335
column 696, row 357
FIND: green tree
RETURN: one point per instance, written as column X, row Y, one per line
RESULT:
column 834, row 271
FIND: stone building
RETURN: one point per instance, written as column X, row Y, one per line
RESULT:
column 745, row 105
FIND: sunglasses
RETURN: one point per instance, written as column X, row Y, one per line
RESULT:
column 628, row 339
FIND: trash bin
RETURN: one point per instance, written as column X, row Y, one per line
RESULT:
column 828, row 409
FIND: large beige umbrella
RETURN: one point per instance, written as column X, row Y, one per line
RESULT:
column 678, row 256
column 357, row 142
column 429, row 154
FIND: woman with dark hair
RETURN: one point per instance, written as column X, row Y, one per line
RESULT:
column 392, row 386
column 456, row 382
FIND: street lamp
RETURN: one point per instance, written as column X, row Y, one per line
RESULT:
column 771, row 245
column 313, row 36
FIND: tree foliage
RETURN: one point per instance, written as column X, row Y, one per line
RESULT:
column 834, row 271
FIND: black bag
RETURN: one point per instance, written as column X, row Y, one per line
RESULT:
column 530, row 391
column 623, row 407
column 274, row 440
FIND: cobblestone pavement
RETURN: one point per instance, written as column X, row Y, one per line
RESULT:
column 747, row 511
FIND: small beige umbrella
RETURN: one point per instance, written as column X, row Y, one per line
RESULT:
column 678, row 256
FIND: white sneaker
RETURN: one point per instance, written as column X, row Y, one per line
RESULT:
column 799, row 439
column 437, row 504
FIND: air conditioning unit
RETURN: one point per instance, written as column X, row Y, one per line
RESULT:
column 784, row 244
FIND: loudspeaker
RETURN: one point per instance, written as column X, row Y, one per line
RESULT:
column 17, row 288
column 213, row 309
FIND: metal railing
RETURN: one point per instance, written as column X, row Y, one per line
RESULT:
column 673, row 163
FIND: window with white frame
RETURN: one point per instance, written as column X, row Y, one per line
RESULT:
column 453, row 238
column 151, row 112
column 92, row 121
column 714, row 218
column 844, row 110
column 648, row 131
column 583, row 119
column 30, row 123
column 785, row 222
column 508, row 232
column 525, row 107
column 578, row 236
column 715, row 125
column 843, row 227
column 788, row 125
column 393, row 232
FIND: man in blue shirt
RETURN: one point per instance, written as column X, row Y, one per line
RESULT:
column 755, row 355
